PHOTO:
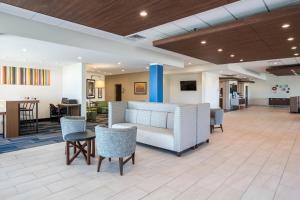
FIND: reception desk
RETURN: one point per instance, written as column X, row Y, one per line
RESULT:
column 13, row 117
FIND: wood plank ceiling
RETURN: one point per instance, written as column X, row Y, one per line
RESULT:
column 260, row 37
column 286, row 70
column 119, row 16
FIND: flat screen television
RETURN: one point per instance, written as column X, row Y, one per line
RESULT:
column 188, row 85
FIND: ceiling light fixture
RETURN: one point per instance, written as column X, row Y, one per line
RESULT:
column 220, row 50
column 147, row 67
column 290, row 39
column 143, row 13
column 241, row 60
column 189, row 63
column 296, row 54
column 232, row 55
column 24, row 50
column 203, row 42
column 285, row 26
column 119, row 63
column 79, row 58
column 123, row 70
column 294, row 48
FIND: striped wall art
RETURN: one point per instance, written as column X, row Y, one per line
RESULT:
column 24, row 76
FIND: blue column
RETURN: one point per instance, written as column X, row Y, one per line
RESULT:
column 156, row 83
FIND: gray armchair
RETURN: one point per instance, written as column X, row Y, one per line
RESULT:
column 69, row 125
column 72, row 124
column 120, row 143
column 216, row 119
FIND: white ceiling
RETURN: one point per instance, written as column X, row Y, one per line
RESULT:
column 55, row 54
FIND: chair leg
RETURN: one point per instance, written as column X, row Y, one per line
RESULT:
column 109, row 159
column 67, row 153
column 121, row 166
column 221, row 127
column 133, row 158
column 211, row 128
column 99, row 163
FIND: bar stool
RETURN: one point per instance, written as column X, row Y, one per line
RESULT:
column 3, row 123
column 27, row 112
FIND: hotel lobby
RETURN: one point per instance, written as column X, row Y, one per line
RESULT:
column 150, row 99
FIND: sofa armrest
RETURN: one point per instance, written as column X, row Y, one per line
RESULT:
column 203, row 122
column 116, row 112
column 185, row 118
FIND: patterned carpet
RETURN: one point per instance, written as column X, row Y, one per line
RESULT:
column 49, row 133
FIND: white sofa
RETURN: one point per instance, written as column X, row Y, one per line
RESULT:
column 169, row 126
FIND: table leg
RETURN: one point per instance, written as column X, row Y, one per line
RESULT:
column 88, row 151
column 3, row 126
column 37, row 118
column 93, row 148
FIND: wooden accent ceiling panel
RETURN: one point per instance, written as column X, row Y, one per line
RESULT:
column 286, row 70
column 119, row 16
column 255, row 38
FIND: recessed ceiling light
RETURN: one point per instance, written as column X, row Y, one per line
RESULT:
column 220, row 50
column 123, row 70
column 275, row 63
column 285, row 26
column 24, row 50
column 296, row 54
column 232, row 55
column 203, row 42
column 290, row 39
column 143, row 13
column 79, row 58
column 189, row 63
column 241, row 60
column 294, row 48
column 119, row 63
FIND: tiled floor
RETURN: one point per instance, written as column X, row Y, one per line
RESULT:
column 257, row 157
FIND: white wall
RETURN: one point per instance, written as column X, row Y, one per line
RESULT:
column 210, row 89
column 261, row 91
column 187, row 97
column 74, row 84
column 96, row 77
column 46, row 94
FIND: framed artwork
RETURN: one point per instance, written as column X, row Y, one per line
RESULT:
column 140, row 88
column 90, row 88
column 99, row 93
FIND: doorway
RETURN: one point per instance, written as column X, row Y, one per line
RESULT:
column 118, row 91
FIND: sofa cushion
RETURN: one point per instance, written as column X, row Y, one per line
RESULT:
column 159, row 119
column 159, row 137
column 170, row 120
column 143, row 117
column 130, row 115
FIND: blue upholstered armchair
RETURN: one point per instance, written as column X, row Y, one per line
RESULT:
column 216, row 119
column 72, row 124
column 120, row 143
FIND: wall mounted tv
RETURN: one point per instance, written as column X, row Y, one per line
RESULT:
column 188, row 85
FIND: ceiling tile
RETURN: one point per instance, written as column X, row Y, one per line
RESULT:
column 152, row 34
column 47, row 19
column 190, row 23
column 12, row 10
column 170, row 29
column 246, row 8
column 216, row 16
column 71, row 25
column 274, row 4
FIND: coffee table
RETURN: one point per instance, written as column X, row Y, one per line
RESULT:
column 75, row 140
